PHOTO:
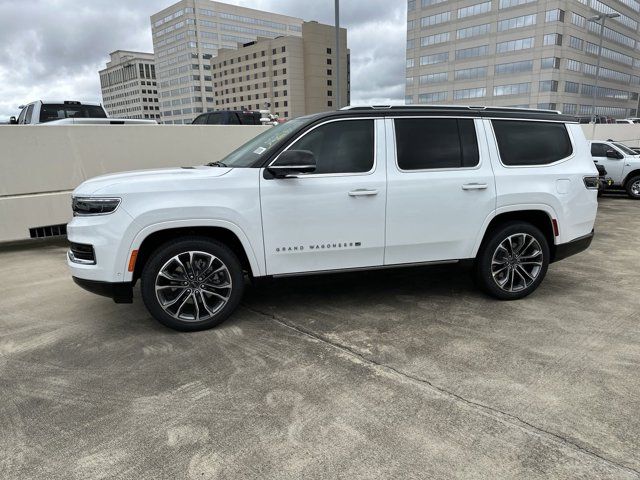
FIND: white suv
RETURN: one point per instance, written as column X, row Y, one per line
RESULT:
column 621, row 163
column 368, row 187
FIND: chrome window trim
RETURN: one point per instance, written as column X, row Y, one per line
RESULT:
column 374, row 120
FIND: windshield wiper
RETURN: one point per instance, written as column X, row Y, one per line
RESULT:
column 216, row 164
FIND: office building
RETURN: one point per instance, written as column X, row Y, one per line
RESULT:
column 188, row 34
column 290, row 75
column 524, row 53
column 129, row 87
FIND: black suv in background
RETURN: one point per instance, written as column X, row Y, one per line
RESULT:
column 228, row 117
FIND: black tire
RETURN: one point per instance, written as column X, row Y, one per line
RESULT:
column 633, row 187
column 195, row 302
column 517, row 230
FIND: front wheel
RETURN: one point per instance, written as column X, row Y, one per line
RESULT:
column 192, row 283
column 633, row 187
column 512, row 261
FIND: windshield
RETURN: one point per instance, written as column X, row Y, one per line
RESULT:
column 247, row 154
column 625, row 149
column 58, row 111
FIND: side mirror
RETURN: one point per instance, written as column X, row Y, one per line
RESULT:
column 292, row 163
column 613, row 154
column 13, row 121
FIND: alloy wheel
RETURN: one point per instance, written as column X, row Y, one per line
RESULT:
column 635, row 188
column 517, row 262
column 193, row 286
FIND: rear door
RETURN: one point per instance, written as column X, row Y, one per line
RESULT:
column 441, row 188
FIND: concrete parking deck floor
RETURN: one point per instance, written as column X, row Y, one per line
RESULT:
column 393, row 374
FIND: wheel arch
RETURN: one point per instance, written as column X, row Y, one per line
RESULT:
column 630, row 175
column 542, row 218
column 147, row 241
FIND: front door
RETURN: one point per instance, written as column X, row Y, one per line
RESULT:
column 441, row 189
column 613, row 166
column 333, row 218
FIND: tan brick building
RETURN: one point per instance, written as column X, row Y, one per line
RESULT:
column 294, row 75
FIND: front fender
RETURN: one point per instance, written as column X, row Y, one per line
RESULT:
column 257, row 266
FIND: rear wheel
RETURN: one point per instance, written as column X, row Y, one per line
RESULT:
column 633, row 187
column 512, row 261
column 192, row 283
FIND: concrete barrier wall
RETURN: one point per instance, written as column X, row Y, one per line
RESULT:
column 628, row 134
column 40, row 166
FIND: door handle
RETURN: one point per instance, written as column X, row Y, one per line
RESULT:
column 474, row 186
column 363, row 192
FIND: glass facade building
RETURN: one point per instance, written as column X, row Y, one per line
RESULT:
column 539, row 54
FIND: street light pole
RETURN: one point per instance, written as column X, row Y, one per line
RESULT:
column 337, row 22
column 602, row 18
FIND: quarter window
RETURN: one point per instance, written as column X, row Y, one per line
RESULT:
column 531, row 143
column 426, row 143
column 340, row 147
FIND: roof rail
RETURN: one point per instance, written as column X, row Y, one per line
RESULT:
column 450, row 107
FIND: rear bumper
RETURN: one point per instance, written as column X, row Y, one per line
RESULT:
column 120, row 292
column 577, row 245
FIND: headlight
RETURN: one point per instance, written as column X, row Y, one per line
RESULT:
column 93, row 205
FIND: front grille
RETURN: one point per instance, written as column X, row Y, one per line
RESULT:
column 48, row 231
column 82, row 253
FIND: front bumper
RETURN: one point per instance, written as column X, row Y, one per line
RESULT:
column 120, row 292
column 577, row 245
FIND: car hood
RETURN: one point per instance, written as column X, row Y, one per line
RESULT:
column 117, row 183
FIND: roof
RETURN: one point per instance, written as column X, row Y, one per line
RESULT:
column 454, row 110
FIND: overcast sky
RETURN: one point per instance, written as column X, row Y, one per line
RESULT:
column 53, row 49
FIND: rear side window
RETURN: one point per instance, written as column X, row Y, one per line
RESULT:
column 598, row 150
column 426, row 143
column 51, row 111
column 531, row 143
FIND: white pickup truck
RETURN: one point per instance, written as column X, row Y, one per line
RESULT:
column 621, row 163
column 66, row 112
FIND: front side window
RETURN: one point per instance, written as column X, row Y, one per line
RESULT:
column 527, row 143
column 427, row 143
column 340, row 147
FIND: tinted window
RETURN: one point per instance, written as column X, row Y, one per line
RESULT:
column 232, row 119
column 340, row 147
column 200, row 119
column 215, row 119
column 425, row 143
column 531, row 143
column 598, row 150
column 51, row 111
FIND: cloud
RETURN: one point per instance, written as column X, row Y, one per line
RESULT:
column 53, row 49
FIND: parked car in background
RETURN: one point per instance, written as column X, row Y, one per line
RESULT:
column 228, row 117
column 599, row 119
column 625, row 121
column 70, row 112
column 509, row 190
column 621, row 162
